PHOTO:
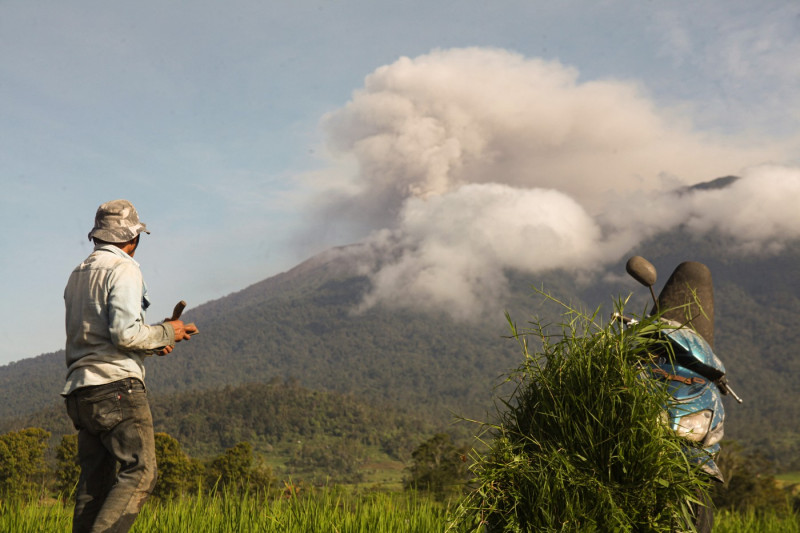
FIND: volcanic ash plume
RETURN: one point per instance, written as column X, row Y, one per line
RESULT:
column 463, row 163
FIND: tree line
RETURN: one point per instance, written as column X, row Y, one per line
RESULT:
column 26, row 474
column 438, row 465
column 270, row 416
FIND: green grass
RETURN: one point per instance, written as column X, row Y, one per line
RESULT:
column 326, row 510
column 580, row 445
column 755, row 522
column 788, row 478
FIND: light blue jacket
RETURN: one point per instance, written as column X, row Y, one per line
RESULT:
column 107, row 337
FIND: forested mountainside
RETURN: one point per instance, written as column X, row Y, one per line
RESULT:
column 266, row 415
column 301, row 324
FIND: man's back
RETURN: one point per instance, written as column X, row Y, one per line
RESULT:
column 107, row 337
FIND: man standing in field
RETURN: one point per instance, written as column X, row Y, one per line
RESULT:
column 107, row 340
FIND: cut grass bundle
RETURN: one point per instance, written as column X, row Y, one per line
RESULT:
column 580, row 445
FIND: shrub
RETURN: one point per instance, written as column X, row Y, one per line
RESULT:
column 177, row 472
column 237, row 470
column 67, row 468
column 22, row 463
column 750, row 483
column 438, row 466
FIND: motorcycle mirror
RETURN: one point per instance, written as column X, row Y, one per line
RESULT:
column 644, row 272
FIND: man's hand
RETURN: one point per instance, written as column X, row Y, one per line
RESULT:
column 182, row 331
column 165, row 350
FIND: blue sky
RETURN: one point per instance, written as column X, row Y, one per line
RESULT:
column 244, row 131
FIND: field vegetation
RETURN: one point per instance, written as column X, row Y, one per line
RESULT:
column 329, row 510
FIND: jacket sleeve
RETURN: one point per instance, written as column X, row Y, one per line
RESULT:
column 126, row 316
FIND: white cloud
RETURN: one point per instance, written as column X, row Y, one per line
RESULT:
column 759, row 212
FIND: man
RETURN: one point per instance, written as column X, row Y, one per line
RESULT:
column 107, row 340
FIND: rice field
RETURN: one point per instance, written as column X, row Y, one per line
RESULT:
column 755, row 522
column 327, row 510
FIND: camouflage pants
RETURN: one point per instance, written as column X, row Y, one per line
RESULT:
column 116, row 452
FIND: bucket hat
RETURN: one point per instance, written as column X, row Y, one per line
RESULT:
column 117, row 221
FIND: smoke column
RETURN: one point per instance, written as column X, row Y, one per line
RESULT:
column 458, row 164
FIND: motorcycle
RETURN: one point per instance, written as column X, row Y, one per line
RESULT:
column 694, row 375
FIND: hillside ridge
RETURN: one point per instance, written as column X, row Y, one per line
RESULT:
column 300, row 324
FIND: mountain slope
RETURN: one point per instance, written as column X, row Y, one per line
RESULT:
column 301, row 324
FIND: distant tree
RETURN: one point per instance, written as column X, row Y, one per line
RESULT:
column 749, row 481
column 261, row 477
column 239, row 469
column 232, row 468
column 22, row 463
column 335, row 458
column 177, row 472
column 67, row 468
column 438, row 466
